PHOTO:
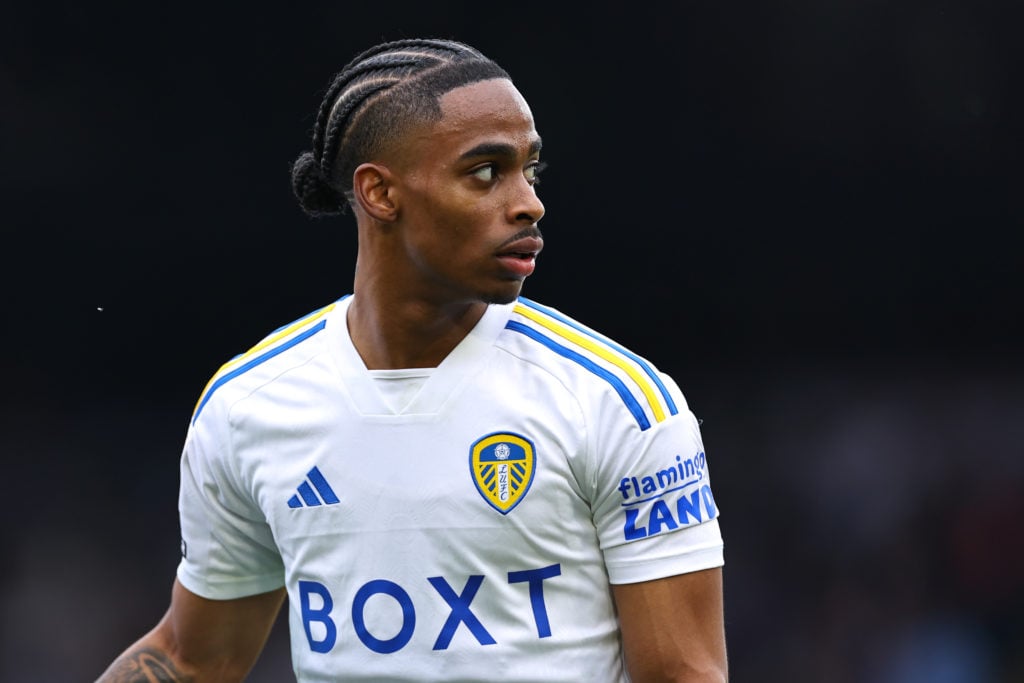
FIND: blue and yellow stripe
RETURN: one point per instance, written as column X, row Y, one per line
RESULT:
column 568, row 338
column 278, row 341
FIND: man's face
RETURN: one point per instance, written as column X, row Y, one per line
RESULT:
column 469, row 210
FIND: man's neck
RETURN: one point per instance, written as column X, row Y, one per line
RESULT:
column 410, row 335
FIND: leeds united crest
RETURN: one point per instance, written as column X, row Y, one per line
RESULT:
column 502, row 465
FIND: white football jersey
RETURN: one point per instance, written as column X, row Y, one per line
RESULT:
column 470, row 532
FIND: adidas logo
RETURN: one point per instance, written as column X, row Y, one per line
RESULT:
column 307, row 496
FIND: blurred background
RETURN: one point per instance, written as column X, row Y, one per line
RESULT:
column 809, row 214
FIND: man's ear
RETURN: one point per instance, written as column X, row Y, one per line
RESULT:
column 373, row 188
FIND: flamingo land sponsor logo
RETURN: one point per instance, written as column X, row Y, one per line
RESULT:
column 666, row 499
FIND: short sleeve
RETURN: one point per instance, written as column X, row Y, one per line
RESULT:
column 653, row 505
column 228, row 550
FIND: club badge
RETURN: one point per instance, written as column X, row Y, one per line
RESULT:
column 502, row 465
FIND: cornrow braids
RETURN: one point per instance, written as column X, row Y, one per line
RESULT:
column 374, row 99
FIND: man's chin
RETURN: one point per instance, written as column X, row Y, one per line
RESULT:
column 503, row 297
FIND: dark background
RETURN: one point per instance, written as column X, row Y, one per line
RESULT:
column 809, row 214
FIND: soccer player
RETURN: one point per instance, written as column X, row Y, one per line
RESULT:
column 448, row 481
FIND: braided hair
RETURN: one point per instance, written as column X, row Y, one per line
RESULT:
column 375, row 98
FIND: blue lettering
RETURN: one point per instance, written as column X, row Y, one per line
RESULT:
column 535, row 577
column 709, row 501
column 689, row 469
column 688, row 511
column 460, row 611
column 316, row 605
column 320, row 616
column 382, row 586
column 666, row 478
column 689, row 506
column 661, row 515
column 630, row 531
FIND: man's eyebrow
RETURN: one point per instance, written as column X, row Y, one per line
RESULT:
column 498, row 149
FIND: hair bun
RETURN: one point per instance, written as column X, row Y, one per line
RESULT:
column 315, row 195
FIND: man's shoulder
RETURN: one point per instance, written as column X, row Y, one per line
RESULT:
column 286, row 344
column 534, row 324
column 590, row 364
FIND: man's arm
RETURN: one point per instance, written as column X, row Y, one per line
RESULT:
column 673, row 629
column 199, row 640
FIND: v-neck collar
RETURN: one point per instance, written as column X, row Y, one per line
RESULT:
column 446, row 379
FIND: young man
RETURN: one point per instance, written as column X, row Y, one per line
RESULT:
column 447, row 480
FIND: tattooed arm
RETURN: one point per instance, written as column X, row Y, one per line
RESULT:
column 199, row 640
column 145, row 665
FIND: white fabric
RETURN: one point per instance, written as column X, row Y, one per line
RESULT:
column 399, row 387
column 609, row 500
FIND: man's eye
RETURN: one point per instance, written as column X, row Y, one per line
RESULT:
column 533, row 172
column 486, row 173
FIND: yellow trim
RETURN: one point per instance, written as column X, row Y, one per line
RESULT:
column 599, row 350
column 498, row 438
column 269, row 341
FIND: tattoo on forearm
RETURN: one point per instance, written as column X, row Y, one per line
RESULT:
column 146, row 665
